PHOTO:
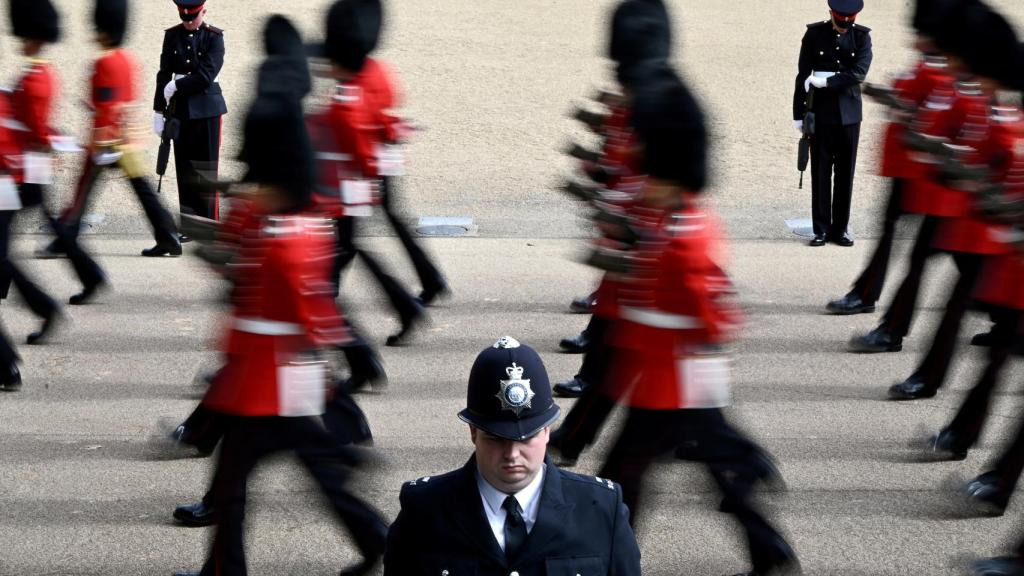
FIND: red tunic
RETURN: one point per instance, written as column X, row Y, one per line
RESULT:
column 282, row 309
column 33, row 100
column 10, row 151
column 382, row 97
column 930, row 76
column 674, row 306
column 113, row 89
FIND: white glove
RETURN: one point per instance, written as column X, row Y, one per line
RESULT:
column 158, row 123
column 799, row 125
column 169, row 90
column 818, row 82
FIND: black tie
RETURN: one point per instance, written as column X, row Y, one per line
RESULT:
column 515, row 527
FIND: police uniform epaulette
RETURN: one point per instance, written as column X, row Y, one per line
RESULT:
column 595, row 481
column 214, row 29
column 429, row 480
column 861, row 27
column 820, row 23
column 174, row 27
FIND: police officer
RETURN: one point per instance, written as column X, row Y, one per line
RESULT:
column 187, row 89
column 510, row 510
column 835, row 56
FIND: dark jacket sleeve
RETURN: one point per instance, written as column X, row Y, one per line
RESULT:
column 803, row 71
column 399, row 559
column 207, row 70
column 625, row 554
column 164, row 75
column 859, row 71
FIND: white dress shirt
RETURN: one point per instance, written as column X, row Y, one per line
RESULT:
column 529, row 501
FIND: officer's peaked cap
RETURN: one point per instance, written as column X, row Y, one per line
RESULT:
column 353, row 30
column 992, row 47
column 111, row 18
column 640, row 30
column 35, row 20
column 285, row 69
column 671, row 127
column 509, row 394
column 846, row 6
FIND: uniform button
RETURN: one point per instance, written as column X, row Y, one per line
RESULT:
column 189, row 61
column 821, row 53
column 444, row 573
column 189, row 35
column 513, row 573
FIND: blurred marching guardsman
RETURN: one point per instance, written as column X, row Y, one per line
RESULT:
column 32, row 103
column 907, row 94
column 835, row 56
column 10, row 376
column 640, row 43
column 510, row 510
column 187, row 90
column 272, row 387
column 347, row 136
column 675, row 316
column 382, row 95
column 113, row 145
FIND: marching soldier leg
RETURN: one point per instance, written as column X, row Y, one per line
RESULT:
column 965, row 429
column 901, row 311
column 431, row 279
column 41, row 304
column 88, row 270
column 931, row 372
column 582, row 424
column 844, row 152
column 71, row 217
column 364, row 364
column 868, row 286
column 645, row 435
column 409, row 310
column 345, row 231
column 821, row 180
column 10, row 376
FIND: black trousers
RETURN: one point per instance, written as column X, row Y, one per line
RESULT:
column 935, row 365
column 196, row 150
column 703, row 435
column 833, row 162
column 970, row 419
column 159, row 218
column 401, row 300
column 1010, row 464
column 247, row 440
column 431, row 279
column 900, row 314
column 588, row 414
column 868, row 286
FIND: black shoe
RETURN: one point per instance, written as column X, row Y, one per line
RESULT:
column 570, row 388
column 50, row 323
column 986, row 496
column 365, row 567
column 986, row 339
column 818, row 240
column 54, row 249
column 184, row 239
column 1000, row 566
column 88, row 292
column 781, row 560
column 946, row 444
column 583, row 304
column 850, row 304
column 10, row 379
column 912, row 388
column 575, row 345
column 195, row 515
column 878, row 340
column 844, row 240
column 371, row 375
column 440, row 290
column 401, row 337
column 170, row 247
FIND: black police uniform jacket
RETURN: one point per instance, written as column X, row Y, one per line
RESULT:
column 582, row 529
column 849, row 56
column 199, row 56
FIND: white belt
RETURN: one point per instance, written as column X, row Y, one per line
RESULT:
column 656, row 319
column 12, row 124
column 180, row 76
column 266, row 327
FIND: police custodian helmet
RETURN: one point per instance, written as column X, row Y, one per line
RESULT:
column 509, row 394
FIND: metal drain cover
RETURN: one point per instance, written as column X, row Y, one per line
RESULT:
column 445, row 226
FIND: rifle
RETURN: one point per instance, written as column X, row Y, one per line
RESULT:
column 172, row 127
column 803, row 155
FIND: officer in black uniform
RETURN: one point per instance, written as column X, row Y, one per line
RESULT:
column 509, row 510
column 187, row 89
column 834, row 59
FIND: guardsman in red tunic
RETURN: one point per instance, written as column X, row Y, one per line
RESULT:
column 10, row 167
column 382, row 95
column 675, row 315
column 112, row 97
column 32, row 104
column 910, row 91
column 969, row 239
column 347, row 136
column 272, row 386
